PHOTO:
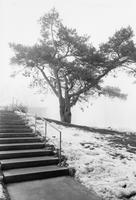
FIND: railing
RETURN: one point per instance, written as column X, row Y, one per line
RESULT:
column 60, row 133
column 46, row 122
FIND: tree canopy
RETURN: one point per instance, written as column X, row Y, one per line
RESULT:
column 70, row 65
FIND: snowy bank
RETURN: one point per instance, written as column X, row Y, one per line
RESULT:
column 110, row 170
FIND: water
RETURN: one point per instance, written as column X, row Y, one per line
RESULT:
column 40, row 111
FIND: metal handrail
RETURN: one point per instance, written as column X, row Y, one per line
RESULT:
column 60, row 134
column 47, row 122
column 51, row 124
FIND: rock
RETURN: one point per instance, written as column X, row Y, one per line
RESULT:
column 72, row 171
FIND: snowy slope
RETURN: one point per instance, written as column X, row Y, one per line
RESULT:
column 108, row 168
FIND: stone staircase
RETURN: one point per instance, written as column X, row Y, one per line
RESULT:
column 23, row 156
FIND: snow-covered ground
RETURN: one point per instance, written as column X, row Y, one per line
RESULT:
column 2, row 196
column 108, row 168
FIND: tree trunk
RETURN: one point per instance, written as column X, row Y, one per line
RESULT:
column 65, row 111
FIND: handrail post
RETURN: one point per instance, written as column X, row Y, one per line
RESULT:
column 26, row 117
column 45, row 130
column 60, row 148
column 35, row 123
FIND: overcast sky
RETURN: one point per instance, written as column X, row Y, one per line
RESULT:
column 97, row 18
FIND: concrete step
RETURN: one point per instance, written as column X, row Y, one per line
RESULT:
column 7, row 112
column 9, row 130
column 28, row 162
column 20, row 146
column 21, row 122
column 34, row 173
column 10, row 117
column 13, row 126
column 12, row 135
column 25, row 153
column 19, row 140
column 4, row 120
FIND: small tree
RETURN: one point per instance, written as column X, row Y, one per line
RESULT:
column 70, row 65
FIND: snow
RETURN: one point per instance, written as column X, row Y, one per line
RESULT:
column 2, row 195
column 107, row 169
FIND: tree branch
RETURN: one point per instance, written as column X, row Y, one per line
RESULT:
column 53, row 41
column 74, row 100
column 94, row 83
column 58, row 84
column 66, row 87
column 48, row 81
column 66, row 54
